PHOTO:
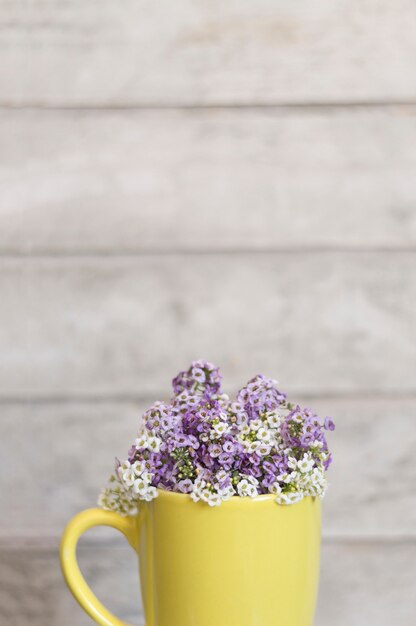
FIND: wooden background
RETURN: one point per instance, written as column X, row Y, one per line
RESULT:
column 233, row 181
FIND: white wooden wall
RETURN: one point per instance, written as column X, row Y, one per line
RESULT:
column 228, row 180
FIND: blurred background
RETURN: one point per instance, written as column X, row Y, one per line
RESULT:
column 232, row 181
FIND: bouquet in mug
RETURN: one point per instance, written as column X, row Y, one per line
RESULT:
column 214, row 448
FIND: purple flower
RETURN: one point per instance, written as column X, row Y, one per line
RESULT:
column 226, row 460
column 223, row 479
column 328, row 462
column 206, row 460
column 237, row 414
column 329, row 424
column 301, row 428
column 306, row 439
column 255, row 471
column 254, row 459
column 198, row 374
column 153, row 417
column 268, row 480
column 215, row 450
column 201, row 377
column 229, row 446
column 259, row 396
column 269, row 467
column 185, row 485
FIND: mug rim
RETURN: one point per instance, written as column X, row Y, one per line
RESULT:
column 234, row 500
column 175, row 494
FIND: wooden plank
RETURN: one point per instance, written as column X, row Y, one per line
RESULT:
column 123, row 326
column 207, row 180
column 33, row 592
column 111, row 53
column 361, row 584
column 72, row 459
column 367, row 583
column 371, row 480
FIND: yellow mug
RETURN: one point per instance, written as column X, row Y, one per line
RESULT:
column 247, row 562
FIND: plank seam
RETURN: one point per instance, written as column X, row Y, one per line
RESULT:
column 129, row 398
column 50, row 543
column 71, row 254
column 217, row 106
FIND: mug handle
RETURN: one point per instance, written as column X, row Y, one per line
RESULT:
column 72, row 574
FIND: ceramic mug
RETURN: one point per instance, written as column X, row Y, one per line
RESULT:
column 247, row 562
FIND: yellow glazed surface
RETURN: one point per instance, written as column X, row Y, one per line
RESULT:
column 247, row 562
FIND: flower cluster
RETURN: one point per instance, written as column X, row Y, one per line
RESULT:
column 213, row 448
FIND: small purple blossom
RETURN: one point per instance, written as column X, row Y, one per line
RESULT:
column 229, row 446
column 329, row 424
column 215, row 450
column 259, row 396
column 185, row 485
column 226, row 460
column 201, row 378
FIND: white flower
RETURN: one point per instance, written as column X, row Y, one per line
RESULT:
column 139, row 467
column 205, row 494
column 199, row 483
column 141, row 442
column 198, row 487
column 129, row 477
column 247, row 487
column 227, row 492
column 273, row 420
column 275, row 488
column 264, row 435
column 318, row 483
column 252, row 446
column 263, row 449
column 214, row 499
column 140, row 486
column 318, row 474
column 124, row 466
column 221, row 475
column 284, row 478
column 127, row 473
column 154, row 443
column 117, row 498
column 220, row 429
column 135, row 482
column 147, row 476
column 243, row 488
column 306, row 463
column 289, row 498
column 301, row 480
column 244, row 429
column 292, row 463
column 150, row 494
column 256, row 424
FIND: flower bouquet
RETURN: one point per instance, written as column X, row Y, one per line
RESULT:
column 214, row 448
column 255, row 556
